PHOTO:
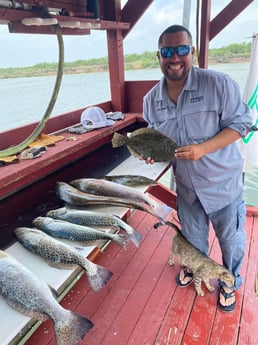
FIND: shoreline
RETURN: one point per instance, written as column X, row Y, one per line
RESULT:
column 27, row 72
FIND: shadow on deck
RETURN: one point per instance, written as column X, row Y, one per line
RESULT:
column 142, row 305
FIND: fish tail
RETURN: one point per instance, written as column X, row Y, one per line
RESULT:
column 161, row 210
column 172, row 225
column 118, row 140
column 71, row 329
column 98, row 280
column 121, row 240
column 136, row 237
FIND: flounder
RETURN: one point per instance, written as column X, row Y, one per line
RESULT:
column 147, row 142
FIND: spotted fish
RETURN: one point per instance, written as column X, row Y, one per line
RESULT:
column 77, row 233
column 147, row 142
column 94, row 218
column 27, row 294
column 115, row 190
column 75, row 197
column 61, row 255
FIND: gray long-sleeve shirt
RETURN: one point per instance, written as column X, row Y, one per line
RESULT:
column 209, row 102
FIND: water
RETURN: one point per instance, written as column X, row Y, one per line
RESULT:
column 24, row 100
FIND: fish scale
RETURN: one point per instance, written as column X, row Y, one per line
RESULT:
column 94, row 218
column 111, row 189
column 75, row 232
column 147, row 142
column 27, row 294
column 62, row 255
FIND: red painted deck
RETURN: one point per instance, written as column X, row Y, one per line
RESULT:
column 142, row 305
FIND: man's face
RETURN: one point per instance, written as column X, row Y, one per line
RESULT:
column 176, row 68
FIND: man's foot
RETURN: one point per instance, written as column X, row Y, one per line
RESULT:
column 184, row 278
column 227, row 299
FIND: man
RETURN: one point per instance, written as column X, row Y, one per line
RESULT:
column 202, row 111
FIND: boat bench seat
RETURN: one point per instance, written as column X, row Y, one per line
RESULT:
column 17, row 326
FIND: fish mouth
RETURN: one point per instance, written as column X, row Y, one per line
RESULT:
column 19, row 231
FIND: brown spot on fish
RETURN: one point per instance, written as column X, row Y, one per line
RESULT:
column 147, row 142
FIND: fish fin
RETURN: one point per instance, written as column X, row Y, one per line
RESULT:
column 53, row 291
column 118, row 140
column 143, row 130
column 79, row 248
column 99, row 280
column 61, row 265
column 72, row 329
column 121, row 239
column 136, row 237
column 27, row 312
column 161, row 210
column 115, row 227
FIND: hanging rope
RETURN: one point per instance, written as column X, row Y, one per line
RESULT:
column 18, row 148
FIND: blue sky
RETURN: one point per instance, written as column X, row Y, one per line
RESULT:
column 27, row 50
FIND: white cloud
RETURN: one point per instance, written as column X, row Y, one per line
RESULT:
column 25, row 50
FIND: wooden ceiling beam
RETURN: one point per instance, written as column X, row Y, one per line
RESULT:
column 230, row 12
column 132, row 12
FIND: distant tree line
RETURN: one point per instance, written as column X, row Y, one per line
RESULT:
column 231, row 53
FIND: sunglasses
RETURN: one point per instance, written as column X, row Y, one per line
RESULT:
column 168, row 52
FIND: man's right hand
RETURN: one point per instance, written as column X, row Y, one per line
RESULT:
column 149, row 160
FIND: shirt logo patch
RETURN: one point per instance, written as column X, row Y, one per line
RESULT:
column 196, row 99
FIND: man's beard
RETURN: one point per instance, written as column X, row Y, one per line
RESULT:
column 176, row 77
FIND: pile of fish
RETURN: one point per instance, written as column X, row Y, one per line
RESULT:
column 89, row 191
column 46, row 238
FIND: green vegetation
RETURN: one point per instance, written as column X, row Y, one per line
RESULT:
column 233, row 53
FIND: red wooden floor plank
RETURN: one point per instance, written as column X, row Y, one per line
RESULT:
column 124, row 279
column 45, row 334
column 176, row 313
column 132, row 308
column 248, row 333
column 225, row 327
column 141, row 304
column 204, row 310
column 156, row 307
column 175, row 323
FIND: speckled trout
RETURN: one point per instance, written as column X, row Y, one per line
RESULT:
column 74, row 196
column 112, row 189
column 94, row 218
column 62, row 255
column 26, row 293
column 77, row 233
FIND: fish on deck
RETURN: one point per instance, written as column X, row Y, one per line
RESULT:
column 26, row 293
column 75, row 197
column 115, row 190
column 62, row 255
column 95, row 218
column 77, row 233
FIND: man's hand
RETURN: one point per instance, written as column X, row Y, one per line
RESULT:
column 190, row 152
column 149, row 160
column 196, row 151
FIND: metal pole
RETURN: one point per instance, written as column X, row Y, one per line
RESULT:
column 186, row 13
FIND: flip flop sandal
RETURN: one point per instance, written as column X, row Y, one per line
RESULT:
column 226, row 295
column 186, row 274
